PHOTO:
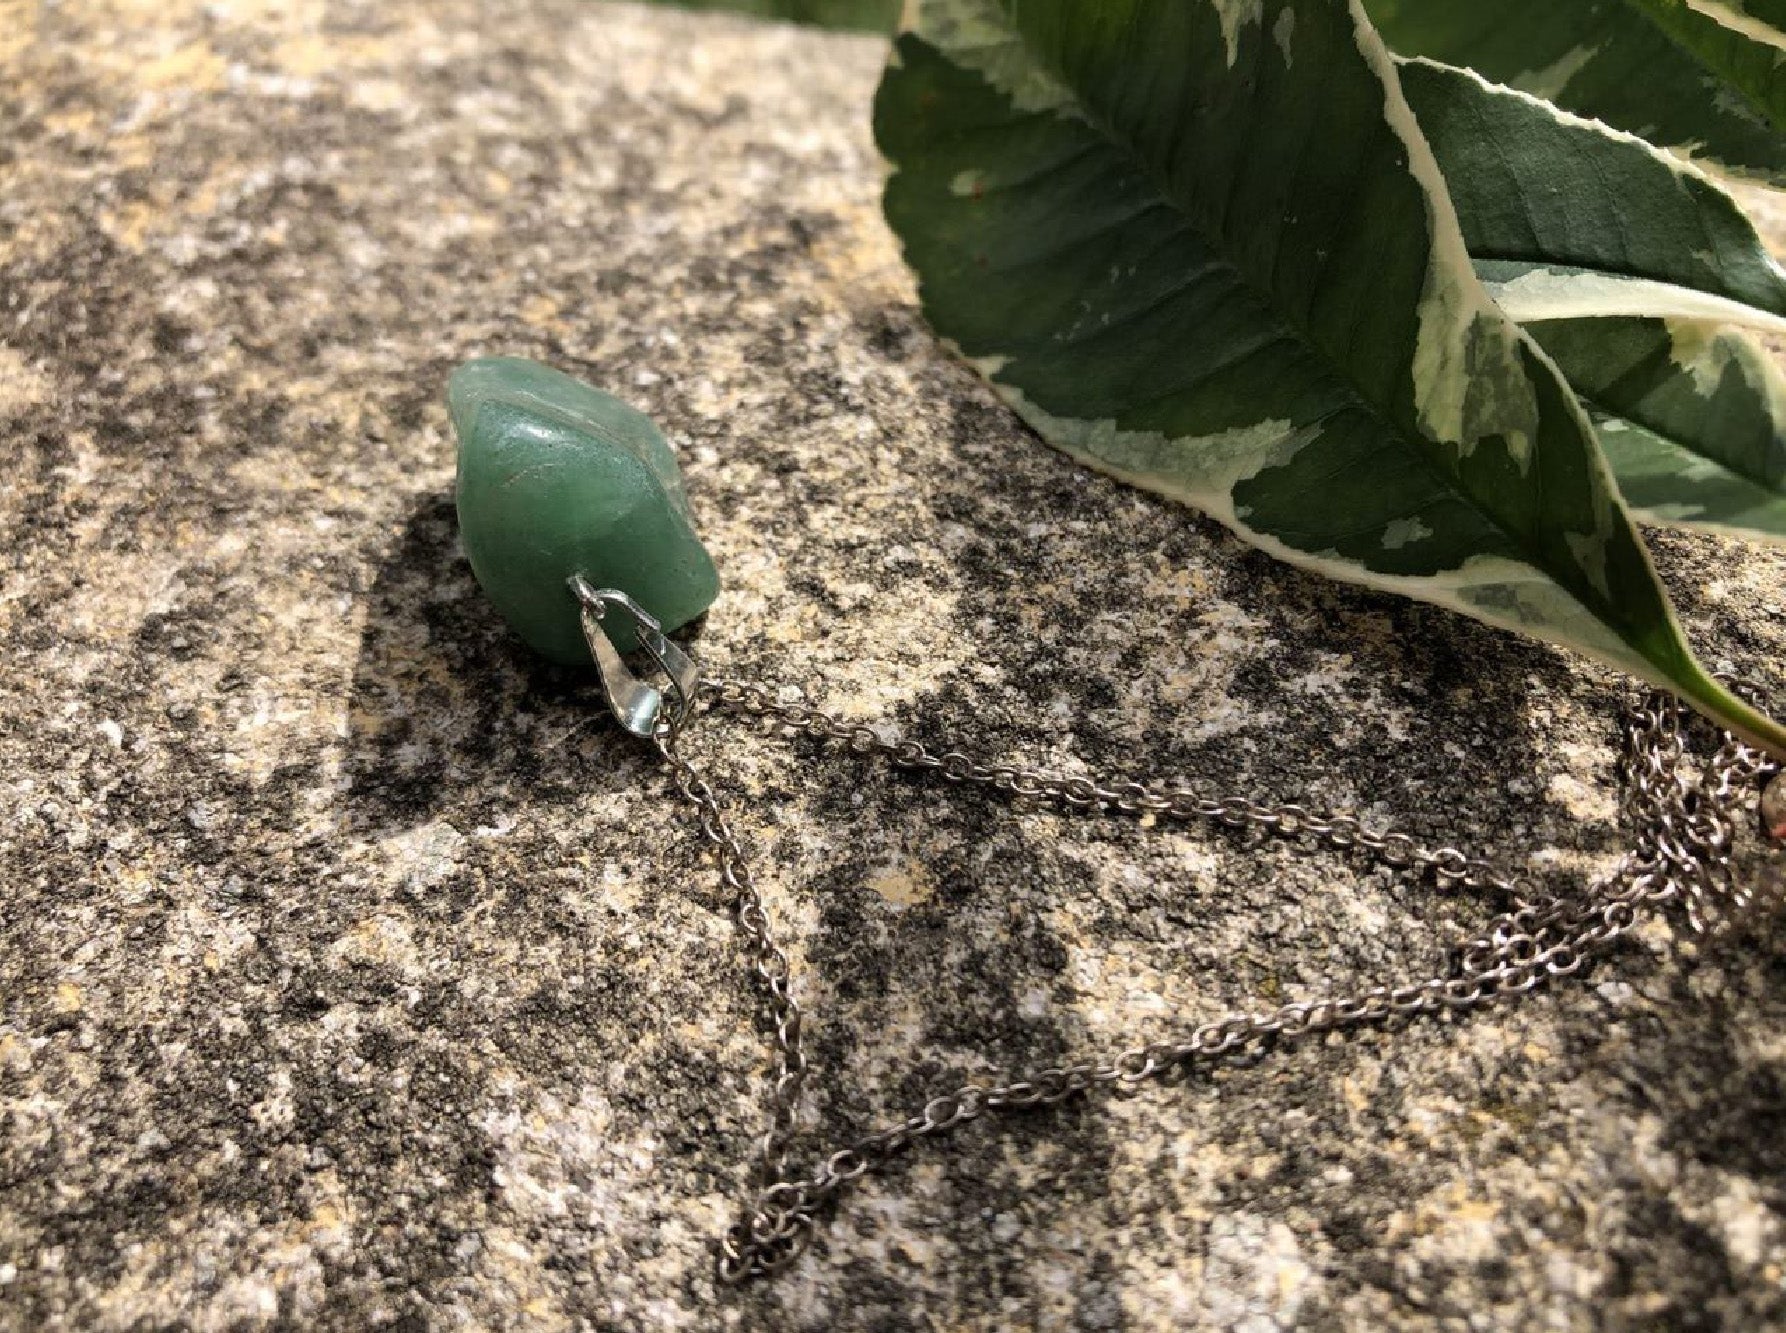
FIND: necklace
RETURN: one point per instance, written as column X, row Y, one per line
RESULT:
column 575, row 522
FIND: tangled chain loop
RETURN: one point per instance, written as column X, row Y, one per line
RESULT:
column 1683, row 814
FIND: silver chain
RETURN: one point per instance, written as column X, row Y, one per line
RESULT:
column 1683, row 813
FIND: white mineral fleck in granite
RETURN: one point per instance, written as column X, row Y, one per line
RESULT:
column 1254, row 1277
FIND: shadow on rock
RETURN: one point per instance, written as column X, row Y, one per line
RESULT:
column 1324, row 692
column 1397, row 646
column 1724, row 1093
column 449, row 709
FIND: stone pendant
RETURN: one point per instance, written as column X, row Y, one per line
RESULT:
column 557, row 479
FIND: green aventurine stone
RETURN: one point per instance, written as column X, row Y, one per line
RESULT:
column 556, row 479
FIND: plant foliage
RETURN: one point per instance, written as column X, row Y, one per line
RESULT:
column 1207, row 246
column 1703, row 76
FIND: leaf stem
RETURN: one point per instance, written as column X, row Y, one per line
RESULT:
column 1741, row 719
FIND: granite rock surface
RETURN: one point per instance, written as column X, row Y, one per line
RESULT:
column 355, row 972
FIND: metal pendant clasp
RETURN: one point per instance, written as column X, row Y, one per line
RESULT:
column 637, row 706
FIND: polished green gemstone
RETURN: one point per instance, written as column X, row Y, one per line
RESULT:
column 558, row 479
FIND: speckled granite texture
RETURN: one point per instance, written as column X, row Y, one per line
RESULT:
column 355, row 973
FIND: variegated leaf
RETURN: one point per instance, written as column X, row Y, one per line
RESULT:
column 1203, row 245
column 1570, row 221
column 1707, row 77
column 1692, row 419
column 1567, row 218
column 1740, row 43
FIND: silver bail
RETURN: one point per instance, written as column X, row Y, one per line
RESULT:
column 636, row 706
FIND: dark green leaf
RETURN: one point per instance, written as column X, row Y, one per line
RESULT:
column 1204, row 246
column 1565, row 217
column 1574, row 227
column 1705, row 77
column 1694, row 420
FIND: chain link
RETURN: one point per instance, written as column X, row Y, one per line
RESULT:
column 768, row 961
column 1683, row 814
